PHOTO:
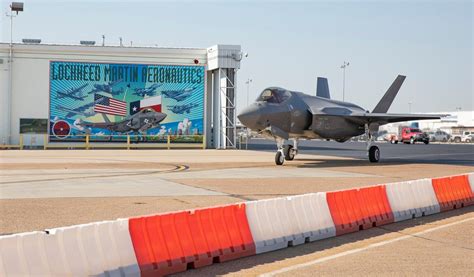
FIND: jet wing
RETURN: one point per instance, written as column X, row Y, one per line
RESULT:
column 384, row 118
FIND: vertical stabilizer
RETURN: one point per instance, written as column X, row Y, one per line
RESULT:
column 322, row 88
column 387, row 99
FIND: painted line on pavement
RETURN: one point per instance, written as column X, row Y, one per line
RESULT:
column 354, row 251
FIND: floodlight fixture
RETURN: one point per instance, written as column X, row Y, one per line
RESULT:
column 16, row 7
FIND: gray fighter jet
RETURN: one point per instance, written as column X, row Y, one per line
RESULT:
column 73, row 93
column 283, row 114
column 139, row 122
column 178, row 95
column 181, row 109
column 150, row 91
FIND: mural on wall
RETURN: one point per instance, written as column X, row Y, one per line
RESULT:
column 110, row 101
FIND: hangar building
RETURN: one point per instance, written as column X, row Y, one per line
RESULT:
column 65, row 87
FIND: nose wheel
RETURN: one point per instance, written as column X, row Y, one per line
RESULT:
column 285, row 152
column 279, row 158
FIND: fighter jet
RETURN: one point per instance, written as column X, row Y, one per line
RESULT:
column 73, row 93
column 107, row 87
column 139, row 122
column 178, row 95
column 150, row 91
column 282, row 114
column 181, row 109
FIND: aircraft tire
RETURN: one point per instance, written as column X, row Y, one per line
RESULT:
column 279, row 158
column 289, row 153
column 374, row 154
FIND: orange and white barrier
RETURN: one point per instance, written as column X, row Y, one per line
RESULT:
column 453, row 192
column 357, row 209
column 412, row 199
column 282, row 222
column 470, row 178
column 167, row 243
column 80, row 250
column 173, row 242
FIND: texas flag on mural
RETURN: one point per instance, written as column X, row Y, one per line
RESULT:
column 150, row 102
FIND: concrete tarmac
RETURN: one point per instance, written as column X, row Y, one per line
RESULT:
column 46, row 189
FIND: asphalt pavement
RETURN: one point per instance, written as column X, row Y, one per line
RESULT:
column 454, row 154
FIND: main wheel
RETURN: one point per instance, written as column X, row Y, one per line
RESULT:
column 426, row 142
column 289, row 152
column 374, row 154
column 279, row 158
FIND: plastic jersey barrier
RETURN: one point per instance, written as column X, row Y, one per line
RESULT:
column 173, row 242
column 470, row 177
column 281, row 222
column 101, row 248
column 412, row 199
column 358, row 209
column 453, row 192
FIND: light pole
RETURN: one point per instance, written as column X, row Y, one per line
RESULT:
column 343, row 66
column 14, row 7
column 248, row 89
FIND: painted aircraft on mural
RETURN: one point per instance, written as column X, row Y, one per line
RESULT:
column 73, row 93
column 139, row 122
column 150, row 91
column 283, row 114
column 107, row 87
column 82, row 110
column 178, row 95
column 181, row 109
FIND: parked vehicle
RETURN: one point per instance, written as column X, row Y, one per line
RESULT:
column 461, row 137
column 412, row 135
column 468, row 138
column 439, row 136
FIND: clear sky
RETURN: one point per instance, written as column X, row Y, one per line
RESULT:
column 291, row 43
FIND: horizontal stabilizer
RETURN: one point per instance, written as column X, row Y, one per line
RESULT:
column 322, row 88
column 384, row 118
column 387, row 99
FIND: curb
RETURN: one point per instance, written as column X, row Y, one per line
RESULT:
column 162, row 244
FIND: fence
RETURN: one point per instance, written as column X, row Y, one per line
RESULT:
column 117, row 141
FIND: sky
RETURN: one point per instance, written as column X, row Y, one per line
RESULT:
column 289, row 44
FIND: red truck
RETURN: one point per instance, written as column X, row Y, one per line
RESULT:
column 412, row 135
column 408, row 135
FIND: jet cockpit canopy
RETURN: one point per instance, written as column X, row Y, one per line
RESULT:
column 274, row 95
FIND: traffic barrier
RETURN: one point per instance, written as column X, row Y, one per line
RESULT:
column 357, row 209
column 412, row 199
column 173, row 242
column 89, row 249
column 23, row 254
column 282, row 222
column 470, row 177
column 453, row 192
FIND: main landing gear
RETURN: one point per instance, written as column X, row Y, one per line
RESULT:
column 285, row 152
column 373, row 151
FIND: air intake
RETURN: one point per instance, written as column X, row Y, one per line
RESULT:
column 31, row 41
column 87, row 42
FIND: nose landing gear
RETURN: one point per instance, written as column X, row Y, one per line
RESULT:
column 285, row 152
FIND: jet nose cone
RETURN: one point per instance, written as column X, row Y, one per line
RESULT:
column 249, row 116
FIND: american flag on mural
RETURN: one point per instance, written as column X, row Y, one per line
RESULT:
column 107, row 105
